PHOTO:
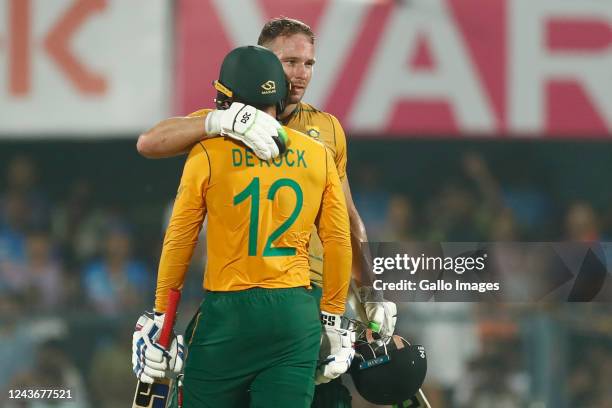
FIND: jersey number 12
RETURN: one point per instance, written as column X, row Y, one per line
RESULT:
column 252, row 190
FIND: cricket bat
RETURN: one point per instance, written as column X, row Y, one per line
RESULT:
column 354, row 301
column 156, row 395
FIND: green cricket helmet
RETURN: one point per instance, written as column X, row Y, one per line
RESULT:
column 253, row 75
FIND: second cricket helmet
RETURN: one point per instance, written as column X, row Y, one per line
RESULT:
column 253, row 75
column 389, row 372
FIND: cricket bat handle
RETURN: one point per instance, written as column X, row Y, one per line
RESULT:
column 157, row 394
column 166, row 333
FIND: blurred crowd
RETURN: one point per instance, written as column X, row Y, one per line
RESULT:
column 474, row 205
column 590, row 366
column 75, row 275
column 57, row 255
column 67, row 271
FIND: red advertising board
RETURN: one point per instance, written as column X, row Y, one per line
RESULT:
column 502, row 68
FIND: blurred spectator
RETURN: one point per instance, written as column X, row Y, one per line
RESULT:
column 16, row 339
column 78, row 224
column 588, row 384
column 43, row 272
column 531, row 206
column 12, row 241
column 528, row 205
column 370, row 197
column 53, row 369
column 477, row 170
column 13, row 224
column 69, row 217
column 452, row 215
column 492, row 389
column 451, row 338
column 22, row 178
column 399, row 223
column 21, row 174
column 504, row 227
column 495, row 377
column 37, row 277
column 581, row 383
column 110, row 374
column 528, row 199
column 20, row 337
column 581, row 223
column 117, row 282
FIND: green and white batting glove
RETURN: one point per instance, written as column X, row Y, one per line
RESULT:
column 381, row 313
column 256, row 129
column 149, row 359
column 337, row 348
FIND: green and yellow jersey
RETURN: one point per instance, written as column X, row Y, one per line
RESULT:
column 325, row 128
column 260, row 218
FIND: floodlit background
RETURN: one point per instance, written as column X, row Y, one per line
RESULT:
column 466, row 120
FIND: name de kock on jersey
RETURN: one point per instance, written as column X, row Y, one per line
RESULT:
column 292, row 158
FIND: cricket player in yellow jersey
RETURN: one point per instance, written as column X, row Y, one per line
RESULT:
column 256, row 340
column 293, row 43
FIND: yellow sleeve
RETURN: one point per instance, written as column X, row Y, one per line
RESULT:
column 185, row 225
column 340, row 139
column 334, row 231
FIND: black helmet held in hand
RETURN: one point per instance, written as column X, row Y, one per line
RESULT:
column 390, row 373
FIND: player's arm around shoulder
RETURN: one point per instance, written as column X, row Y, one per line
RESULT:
column 173, row 136
column 252, row 127
column 334, row 231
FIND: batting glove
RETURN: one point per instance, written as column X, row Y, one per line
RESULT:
column 381, row 313
column 149, row 359
column 254, row 128
column 337, row 349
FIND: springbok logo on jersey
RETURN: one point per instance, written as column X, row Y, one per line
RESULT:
column 313, row 131
column 269, row 87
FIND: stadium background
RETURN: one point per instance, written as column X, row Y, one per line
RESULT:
column 466, row 120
